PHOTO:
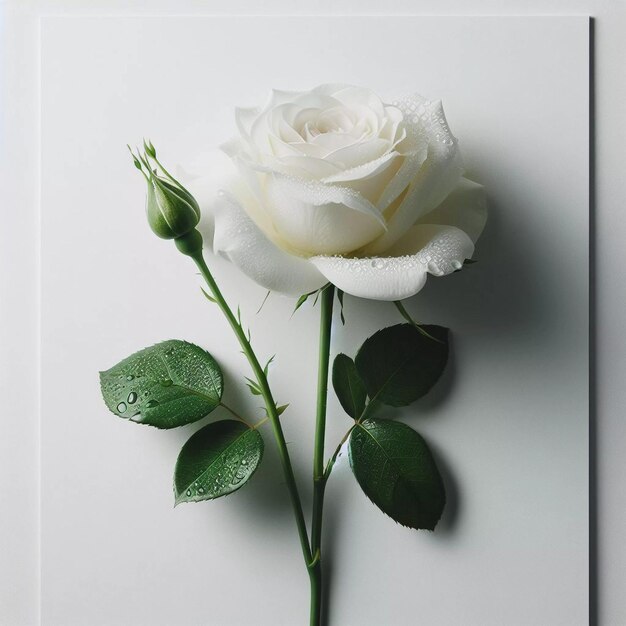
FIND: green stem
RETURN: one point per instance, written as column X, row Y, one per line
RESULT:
column 191, row 245
column 236, row 415
column 315, row 613
column 319, row 481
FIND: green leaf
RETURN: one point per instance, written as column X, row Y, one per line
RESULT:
column 281, row 409
column 399, row 364
column 167, row 385
column 349, row 386
column 396, row 470
column 216, row 460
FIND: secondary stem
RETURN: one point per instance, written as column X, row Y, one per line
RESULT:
column 191, row 245
column 319, row 480
column 235, row 414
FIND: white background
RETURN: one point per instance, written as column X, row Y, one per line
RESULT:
column 22, row 570
column 509, row 423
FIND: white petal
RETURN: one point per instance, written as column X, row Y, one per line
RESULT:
column 465, row 208
column 432, row 182
column 238, row 239
column 280, row 96
column 205, row 176
column 359, row 153
column 244, row 118
column 306, row 167
column 313, row 100
column 425, row 249
column 361, row 172
column 333, row 141
column 213, row 172
column 328, row 89
column 359, row 96
column 406, row 174
column 393, row 122
column 315, row 218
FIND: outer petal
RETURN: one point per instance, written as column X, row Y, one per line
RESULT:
column 425, row 249
column 205, row 176
column 435, row 179
column 238, row 239
column 465, row 208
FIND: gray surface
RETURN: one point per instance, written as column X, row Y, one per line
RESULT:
column 20, row 529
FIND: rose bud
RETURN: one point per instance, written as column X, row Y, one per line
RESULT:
column 172, row 211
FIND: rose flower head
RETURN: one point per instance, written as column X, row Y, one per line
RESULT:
column 335, row 185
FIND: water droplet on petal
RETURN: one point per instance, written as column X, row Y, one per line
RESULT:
column 151, row 404
column 130, row 377
column 457, row 265
column 132, row 397
column 167, row 383
column 121, row 407
column 378, row 264
column 188, row 493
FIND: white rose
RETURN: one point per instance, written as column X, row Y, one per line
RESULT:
column 335, row 185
